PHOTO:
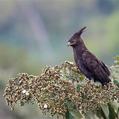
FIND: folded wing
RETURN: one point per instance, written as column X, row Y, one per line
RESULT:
column 97, row 68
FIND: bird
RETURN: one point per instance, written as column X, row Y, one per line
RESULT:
column 89, row 65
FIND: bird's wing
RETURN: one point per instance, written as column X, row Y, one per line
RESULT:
column 105, row 68
column 97, row 68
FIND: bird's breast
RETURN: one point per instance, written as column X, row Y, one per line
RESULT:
column 78, row 61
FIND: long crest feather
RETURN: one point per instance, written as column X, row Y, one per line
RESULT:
column 81, row 31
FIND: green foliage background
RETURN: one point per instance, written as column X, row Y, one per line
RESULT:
column 34, row 33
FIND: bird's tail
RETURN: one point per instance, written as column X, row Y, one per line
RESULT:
column 105, row 80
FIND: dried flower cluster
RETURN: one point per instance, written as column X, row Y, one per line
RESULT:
column 18, row 90
column 94, row 96
column 59, row 89
column 48, row 89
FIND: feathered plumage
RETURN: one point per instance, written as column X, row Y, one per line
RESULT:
column 88, row 63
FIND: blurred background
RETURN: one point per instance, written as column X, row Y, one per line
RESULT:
column 34, row 33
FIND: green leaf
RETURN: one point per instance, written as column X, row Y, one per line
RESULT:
column 118, row 113
column 68, row 115
column 104, row 111
column 116, row 82
column 112, row 113
column 115, row 106
column 76, row 114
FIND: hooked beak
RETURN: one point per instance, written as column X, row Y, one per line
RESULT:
column 71, row 44
column 68, row 44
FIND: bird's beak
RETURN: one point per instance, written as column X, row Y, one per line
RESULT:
column 68, row 44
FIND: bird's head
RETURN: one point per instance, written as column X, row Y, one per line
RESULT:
column 76, row 38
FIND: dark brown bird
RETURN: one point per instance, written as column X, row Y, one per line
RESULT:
column 88, row 63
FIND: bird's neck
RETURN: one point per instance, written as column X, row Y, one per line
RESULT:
column 80, row 48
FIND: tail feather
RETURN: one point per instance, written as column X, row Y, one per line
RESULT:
column 102, row 79
column 105, row 68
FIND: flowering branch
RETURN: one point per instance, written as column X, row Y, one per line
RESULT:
column 61, row 89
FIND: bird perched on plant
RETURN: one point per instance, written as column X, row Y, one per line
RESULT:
column 86, row 62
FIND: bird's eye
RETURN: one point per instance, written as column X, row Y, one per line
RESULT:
column 72, row 42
